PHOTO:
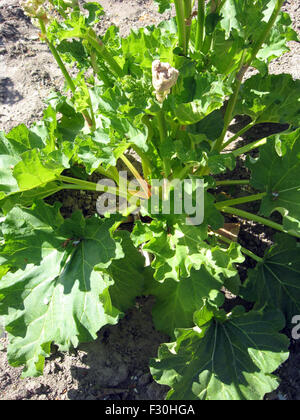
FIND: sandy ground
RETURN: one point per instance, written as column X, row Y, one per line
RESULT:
column 116, row 365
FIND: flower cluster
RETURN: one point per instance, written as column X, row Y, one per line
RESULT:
column 164, row 77
column 33, row 8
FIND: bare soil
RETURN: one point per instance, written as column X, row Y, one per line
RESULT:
column 115, row 366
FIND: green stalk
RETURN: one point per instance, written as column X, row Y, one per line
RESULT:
column 200, row 25
column 63, row 69
column 97, row 70
column 80, row 184
column 231, row 105
column 187, row 5
column 99, row 46
column 233, row 182
column 219, row 8
column 214, row 6
column 146, row 164
column 57, row 58
column 181, row 24
column 258, row 219
column 249, row 147
column 162, row 128
column 184, row 171
column 241, row 200
column 239, row 134
column 244, row 250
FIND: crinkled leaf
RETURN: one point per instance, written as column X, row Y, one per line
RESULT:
column 147, row 44
column 176, row 301
column 178, row 247
column 285, row 141
column 231, row 360
column 163, row 5
column 211, row 126
column 95, row 11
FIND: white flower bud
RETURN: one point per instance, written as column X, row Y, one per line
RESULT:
column 164, row 77
column 33, row 8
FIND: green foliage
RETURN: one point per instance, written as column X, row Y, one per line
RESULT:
column 275, row 281
column 62, row 279
column 278, row 176
column 223, row 358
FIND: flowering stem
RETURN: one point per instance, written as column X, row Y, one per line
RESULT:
column 63, row 69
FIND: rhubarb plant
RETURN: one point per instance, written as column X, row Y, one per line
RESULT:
column 169, row 93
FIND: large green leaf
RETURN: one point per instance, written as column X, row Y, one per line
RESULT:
column 223, row 359
column 278, row 176
column 273, row 98
column 276, row 281
column 61, row 295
